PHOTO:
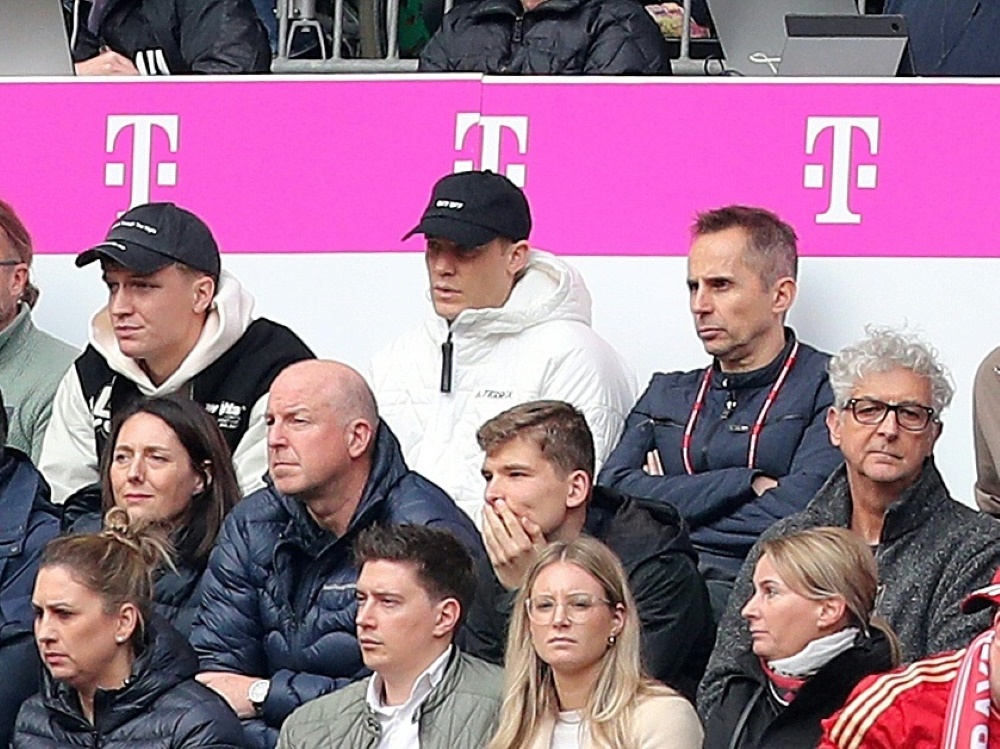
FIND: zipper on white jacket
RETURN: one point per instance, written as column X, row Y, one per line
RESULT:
column 447, row 351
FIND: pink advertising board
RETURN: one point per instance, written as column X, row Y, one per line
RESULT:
column 612, row 167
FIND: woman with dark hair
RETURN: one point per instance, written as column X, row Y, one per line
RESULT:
column 168, row 464
column 116, row 674
column 814, row 639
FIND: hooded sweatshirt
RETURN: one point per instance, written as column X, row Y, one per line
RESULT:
column 538, row 345
column 104, row 380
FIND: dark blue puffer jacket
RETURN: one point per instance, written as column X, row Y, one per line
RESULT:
column 279, row 592
column 27, row 522
column 161, row 707
column 724, row 514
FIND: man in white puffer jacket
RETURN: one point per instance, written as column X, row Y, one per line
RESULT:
column 511, row 325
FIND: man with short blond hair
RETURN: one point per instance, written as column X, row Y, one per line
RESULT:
column 510, row 325
column 539, row 471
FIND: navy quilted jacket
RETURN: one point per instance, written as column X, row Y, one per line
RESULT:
column 279, row 591
column 717, row 501
column 162, row 707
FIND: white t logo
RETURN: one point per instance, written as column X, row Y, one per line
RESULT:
column 492, row 128
column 142, row 154
column 838, row 211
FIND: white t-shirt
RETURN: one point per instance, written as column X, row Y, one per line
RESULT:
column 400, row 730
column 570, row 731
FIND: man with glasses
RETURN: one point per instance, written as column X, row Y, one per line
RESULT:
column 889, row 392
column 31, row 362
column 539, row 472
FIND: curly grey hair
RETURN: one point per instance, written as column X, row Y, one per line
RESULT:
column 883, row 350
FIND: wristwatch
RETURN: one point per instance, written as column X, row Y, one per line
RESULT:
column 258, row 693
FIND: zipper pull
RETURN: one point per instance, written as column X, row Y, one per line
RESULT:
column 447, row 350
column 518, row 32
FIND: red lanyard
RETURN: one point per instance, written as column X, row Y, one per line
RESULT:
column 758, row 424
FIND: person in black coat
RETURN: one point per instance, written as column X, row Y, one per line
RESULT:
column 813, row 641
column 168, row 463
column 27, row 522
column 166, row 37
column 539, row 467
column 599, row 37
column 116, row 675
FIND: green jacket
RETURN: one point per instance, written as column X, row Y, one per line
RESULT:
column 32, row 364
column 460, row 712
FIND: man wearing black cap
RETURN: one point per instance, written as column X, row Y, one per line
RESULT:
column 174, row 322
column 947, row 701
column 511, row 325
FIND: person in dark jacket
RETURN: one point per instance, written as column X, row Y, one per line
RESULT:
column 166, row 37
column 931, row 549
column 573, row 37
column 742, row 443
column 27, row 522
column 810, row 618
column 168, row 464
column 116, row 675
column 276, row 626
column 539, row 470
column 952, row 37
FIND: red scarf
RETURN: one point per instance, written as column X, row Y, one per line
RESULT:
column 966, row 722
column 785, row 687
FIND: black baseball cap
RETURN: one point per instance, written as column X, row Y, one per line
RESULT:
column 473, row 208
column 152, row 236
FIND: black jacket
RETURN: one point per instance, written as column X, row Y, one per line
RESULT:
column 750, row 717
column 601, row 37
column 174, row 36
column 162, row 707
column 27, row 522
column 718, row 502
column 279, row 593
column 176, row 592
column 952, row 37
column 652, row 543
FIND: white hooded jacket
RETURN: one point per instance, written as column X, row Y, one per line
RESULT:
column 69, row 453
column 538, row 346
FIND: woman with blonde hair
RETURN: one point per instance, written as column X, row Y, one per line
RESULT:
column 116, row 674
column 814, row 639
column 573, row 673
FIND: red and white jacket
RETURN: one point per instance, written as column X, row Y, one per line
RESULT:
column 903, row 709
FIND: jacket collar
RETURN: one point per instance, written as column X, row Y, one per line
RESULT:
column 20, row 326
column 388, row 468
column 514, row 8
column 756, row 378
column 916, row 506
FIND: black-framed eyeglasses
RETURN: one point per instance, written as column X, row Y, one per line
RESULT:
column 578, row 608
column 913, row 417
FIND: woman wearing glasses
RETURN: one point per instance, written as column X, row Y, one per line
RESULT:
column 813, row 641
column 573, row 676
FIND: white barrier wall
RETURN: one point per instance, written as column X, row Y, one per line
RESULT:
column 346, row 306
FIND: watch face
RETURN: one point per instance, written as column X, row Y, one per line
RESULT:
column 258, row 691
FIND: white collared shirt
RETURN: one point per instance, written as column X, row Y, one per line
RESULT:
column 400, row 729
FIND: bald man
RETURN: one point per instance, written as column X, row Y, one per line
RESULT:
column 276, row 623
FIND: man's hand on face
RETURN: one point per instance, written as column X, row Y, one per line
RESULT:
column 512, row 543
column 233, row 688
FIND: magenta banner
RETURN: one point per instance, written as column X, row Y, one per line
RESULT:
column 345, row 164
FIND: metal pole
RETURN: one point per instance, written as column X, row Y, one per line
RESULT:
column 338, row 28
column 392, row 29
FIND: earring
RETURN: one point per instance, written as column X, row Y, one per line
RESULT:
column 612, row 639
column 119, row 639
